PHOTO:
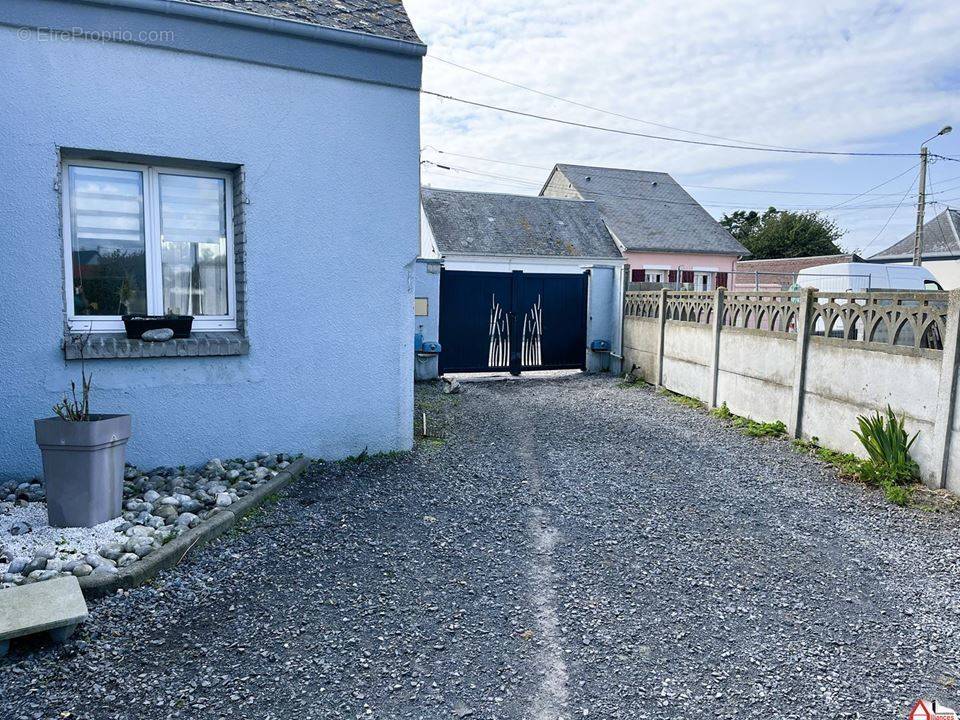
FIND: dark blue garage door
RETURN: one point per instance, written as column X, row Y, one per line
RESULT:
column 512, row 321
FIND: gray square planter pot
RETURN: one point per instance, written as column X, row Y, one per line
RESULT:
column 83, row 464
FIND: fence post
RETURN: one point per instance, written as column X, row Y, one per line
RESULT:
column 661, row 329
column 795, row 422
column 718, row 301
column 947, row 392
column 621, row 344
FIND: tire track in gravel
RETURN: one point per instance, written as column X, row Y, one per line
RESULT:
column 551, row 700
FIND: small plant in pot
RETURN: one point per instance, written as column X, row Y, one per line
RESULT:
column 84, row 455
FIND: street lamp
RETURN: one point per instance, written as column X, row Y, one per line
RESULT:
column 922, row 196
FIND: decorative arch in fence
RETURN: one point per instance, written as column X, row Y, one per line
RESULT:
column 916, row 320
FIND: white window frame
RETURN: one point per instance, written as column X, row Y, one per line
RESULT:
column 709, row 278
column 151, row 224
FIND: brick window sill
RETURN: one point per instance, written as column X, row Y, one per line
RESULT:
column 103, row 346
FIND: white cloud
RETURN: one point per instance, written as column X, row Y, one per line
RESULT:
column 825, row 74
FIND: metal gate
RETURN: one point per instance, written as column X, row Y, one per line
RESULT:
column 512, row 321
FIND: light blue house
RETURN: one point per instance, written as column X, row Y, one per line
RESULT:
column 251, row 163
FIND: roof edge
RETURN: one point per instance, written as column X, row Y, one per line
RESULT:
column 804, row 257
column 675, row 251
column 516, row 195
column 604, row 258
column 265, row 23
column 619, row 169
column 901, row 258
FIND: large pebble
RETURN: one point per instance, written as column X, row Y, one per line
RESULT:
column 127, row 559
column 36, row 564
column 48, row 552
column 187, row 520
column 224, row 500
column 158, row 335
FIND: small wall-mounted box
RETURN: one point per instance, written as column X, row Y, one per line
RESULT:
column 600, row 346
column 430, row 347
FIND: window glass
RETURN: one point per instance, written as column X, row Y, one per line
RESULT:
column 107, row 241
column 193, row 245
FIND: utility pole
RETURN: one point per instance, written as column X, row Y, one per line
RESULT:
column 921, row 203
column 922, row 198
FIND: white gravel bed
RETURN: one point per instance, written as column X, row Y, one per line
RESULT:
column 70, row 543
column 158, row 506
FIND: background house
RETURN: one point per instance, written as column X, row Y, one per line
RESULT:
column 258, row 168
column 941, row 249
column 499, row 233
column 664, row 234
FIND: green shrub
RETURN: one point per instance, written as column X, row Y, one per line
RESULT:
column 895, row 482
column 722, row 412
column 847, row 464
column 897, row 494
column 886, row 441
column 682, row 399
column 752, row 428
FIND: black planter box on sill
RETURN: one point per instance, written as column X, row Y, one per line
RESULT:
column 137, row 325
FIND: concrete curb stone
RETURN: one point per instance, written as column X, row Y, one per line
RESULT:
column 171, row 554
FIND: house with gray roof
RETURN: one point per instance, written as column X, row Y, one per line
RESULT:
column 665, row 235
column 513, row 230
column 253, row 164
column 477, row 233
column 940, row 253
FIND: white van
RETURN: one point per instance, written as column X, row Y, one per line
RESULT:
column 862, row 277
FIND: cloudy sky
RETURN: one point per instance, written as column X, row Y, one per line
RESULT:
column 862, row 75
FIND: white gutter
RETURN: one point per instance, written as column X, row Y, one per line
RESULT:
column 264, row 23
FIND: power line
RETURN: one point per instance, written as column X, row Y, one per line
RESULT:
column 892, row 214
column 598, row 109
column 649, row 136
column 533, row 185
column 686, row 185
column 484, row 159
column 875, row 187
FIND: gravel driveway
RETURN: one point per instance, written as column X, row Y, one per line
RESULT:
column 573, row 548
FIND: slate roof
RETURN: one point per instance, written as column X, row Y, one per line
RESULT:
column 650, row 211
column 386, row 18
column 941, row 237
column 478, row 223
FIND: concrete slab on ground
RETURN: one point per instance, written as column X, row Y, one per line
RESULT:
column 38, row 607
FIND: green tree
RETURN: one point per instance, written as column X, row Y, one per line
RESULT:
column 784, row 233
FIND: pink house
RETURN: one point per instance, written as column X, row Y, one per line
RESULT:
column 665, row 235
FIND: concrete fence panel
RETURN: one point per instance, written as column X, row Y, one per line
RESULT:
column 812, row 360
column 640, row 346
column 687, row 352
column 755, row 373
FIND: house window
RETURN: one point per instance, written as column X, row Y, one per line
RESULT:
column 655, row 276
column 702, row 281
column 147, row 240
